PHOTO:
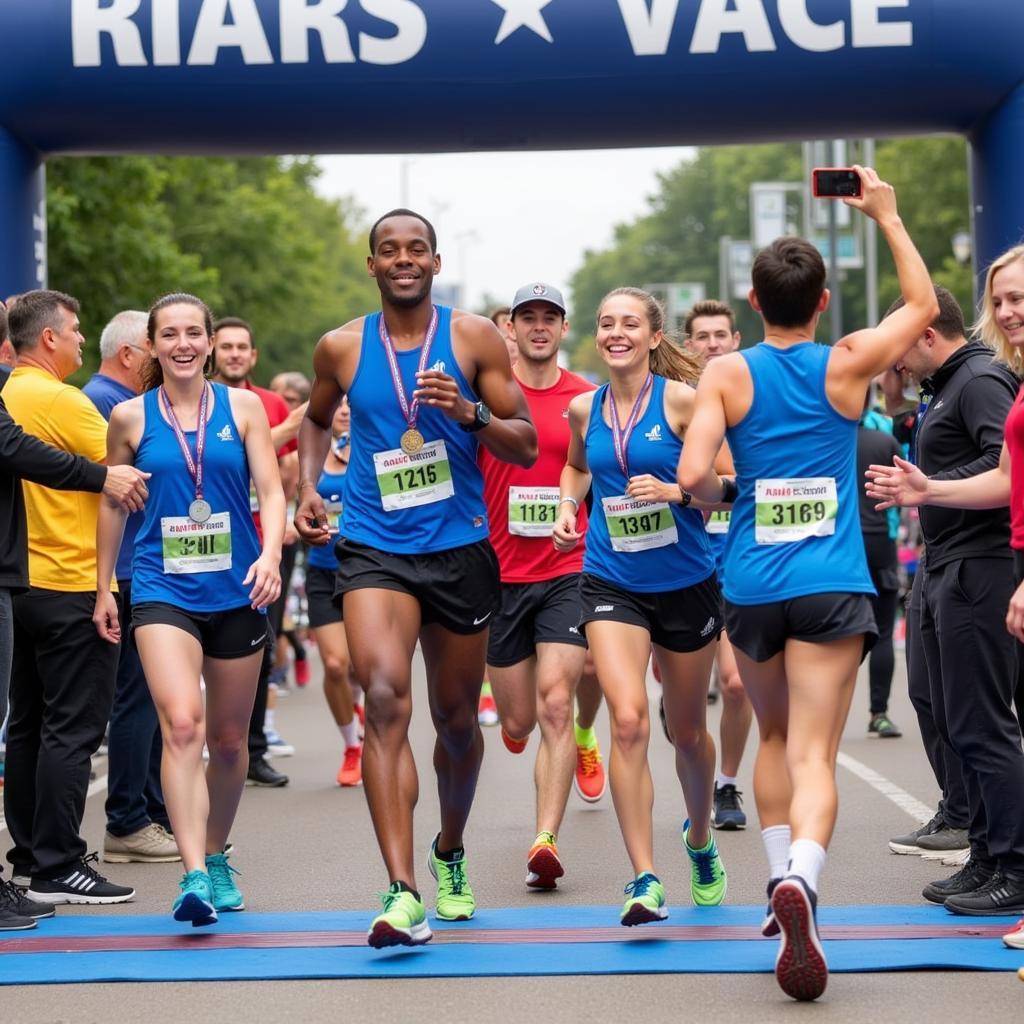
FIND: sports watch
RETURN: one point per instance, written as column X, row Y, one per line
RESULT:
column 481, row 417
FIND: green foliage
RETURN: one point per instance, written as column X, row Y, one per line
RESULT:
column 707, row 197
column 250, row 236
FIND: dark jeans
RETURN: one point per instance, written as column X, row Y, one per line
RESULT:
column 6, row 648
column 62, row 687
column 883, row 566
column 944, row 763
column 972, row 671
column 134, row 796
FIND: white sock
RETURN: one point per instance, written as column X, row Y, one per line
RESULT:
column 806, row 859
column 725, row 780
column 350, row 733
column 268, row 720
column 776, row 844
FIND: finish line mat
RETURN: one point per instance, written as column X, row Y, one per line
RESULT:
column 497, row 943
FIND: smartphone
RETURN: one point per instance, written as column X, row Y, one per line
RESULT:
column 835, row 182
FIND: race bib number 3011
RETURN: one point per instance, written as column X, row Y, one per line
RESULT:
column 196, row 547
column 418, row 479
column 787, row 511
column 638, row 525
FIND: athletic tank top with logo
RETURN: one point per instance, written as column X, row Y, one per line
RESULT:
column 330, row 487
column 641, row 546
column 417, row 504
column 195, row 566
column 795, row 526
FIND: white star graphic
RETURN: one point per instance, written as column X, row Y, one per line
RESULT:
column 522, row 14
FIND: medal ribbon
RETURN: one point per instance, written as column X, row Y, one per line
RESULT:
column 195, row 466
column 621, row 435
column 409, row 412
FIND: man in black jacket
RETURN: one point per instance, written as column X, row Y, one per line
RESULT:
column 966, row 584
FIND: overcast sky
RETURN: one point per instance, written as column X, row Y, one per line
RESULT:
column 504, row 219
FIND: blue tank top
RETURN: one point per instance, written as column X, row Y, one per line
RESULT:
column 430, row 501
column 616, row 536
column 795, row 526
column 168, row 543
column 330, row 487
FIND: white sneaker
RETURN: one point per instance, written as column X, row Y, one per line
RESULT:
column 277, row 746
column 150, row 845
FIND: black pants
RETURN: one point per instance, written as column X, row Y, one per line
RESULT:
column 62, row 687
column 972, row 673
column 883, row 566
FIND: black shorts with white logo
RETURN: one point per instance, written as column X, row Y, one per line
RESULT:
column 535, row 613
column 456, row 589
column 679, row 620
column 323, row 607
column 760, row 631
column 235, row 633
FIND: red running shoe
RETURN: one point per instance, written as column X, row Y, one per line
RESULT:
column 800, row 967
column 542, row 864
column 301, row 672
column 514, row 745
column 351, row 771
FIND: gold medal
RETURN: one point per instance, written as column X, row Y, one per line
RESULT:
column 411, row 441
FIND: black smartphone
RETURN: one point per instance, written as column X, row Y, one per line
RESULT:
column 835, row 183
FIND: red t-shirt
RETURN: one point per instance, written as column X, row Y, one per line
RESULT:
column 527, row 555
column 1013, row 433
column 277, row 412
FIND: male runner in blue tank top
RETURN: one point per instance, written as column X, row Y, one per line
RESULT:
column 796, row 579
column 426, row 386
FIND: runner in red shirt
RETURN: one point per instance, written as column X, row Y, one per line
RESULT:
column 536, row 651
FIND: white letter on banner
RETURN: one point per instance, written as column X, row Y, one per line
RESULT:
column 166, row 33
column 649, row 31
column 807, row 33
column 299, row 18
column 89, row 21
column 411, row 23
column 869, row 31
column 713, row 21
column 213, row 32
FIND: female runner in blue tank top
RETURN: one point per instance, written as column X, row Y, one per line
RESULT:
column 796, row 579
column 648, row 578
column 325, row 612
column 200, row 583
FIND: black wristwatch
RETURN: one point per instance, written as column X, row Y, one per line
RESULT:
column 481, row 417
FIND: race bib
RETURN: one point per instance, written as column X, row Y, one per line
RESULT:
column 718, row 522
column 532, row 511
column 418, row 479
column 196, row 547
column 786, row 511
column 638, row 525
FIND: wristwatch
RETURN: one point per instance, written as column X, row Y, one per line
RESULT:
column 481, row 417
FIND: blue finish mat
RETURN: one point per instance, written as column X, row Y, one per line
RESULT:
column 510, row 942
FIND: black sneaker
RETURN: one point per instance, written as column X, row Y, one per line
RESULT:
column 10, row 919
column 882, row 726
column 261, row 773
column 1000, row 895
column 15, row 901
column 908, row 843
column 727, row 810
column 972, row 876
column 945, row 840
column 82, row 884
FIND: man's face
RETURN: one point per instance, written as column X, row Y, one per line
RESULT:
column 233, row 353
column 134, row 357
column 68, row 342
column 713, row 336
column 917, row 363
column 538, row 329
column 403, row 263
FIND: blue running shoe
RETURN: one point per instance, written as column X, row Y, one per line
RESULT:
column 225, row 893
column 195, row 903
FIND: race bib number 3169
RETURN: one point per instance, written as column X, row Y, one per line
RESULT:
column 787, row 511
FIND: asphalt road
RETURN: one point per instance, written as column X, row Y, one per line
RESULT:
column 310, row 846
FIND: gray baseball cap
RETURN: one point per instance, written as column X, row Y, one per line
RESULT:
column 538, row 292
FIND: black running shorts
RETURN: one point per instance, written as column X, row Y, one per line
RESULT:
column 535, row 613
column 324, row 609
column 456, row 589
column 235, row 633
column 679, row 620
column 760, row 631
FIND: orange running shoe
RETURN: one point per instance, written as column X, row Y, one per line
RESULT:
column 514, row 745
column 589, row 779
column 351, row 771
column 542, row 864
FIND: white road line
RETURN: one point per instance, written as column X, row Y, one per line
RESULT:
column 94, row 787
column 900, row 797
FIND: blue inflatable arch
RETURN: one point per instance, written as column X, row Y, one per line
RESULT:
column 379, row 76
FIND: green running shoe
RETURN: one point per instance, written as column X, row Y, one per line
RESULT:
column 225, row 893
column 403, row 923
column 646, row 901
column 454, row 895
column 195, row 902
column 708, row 880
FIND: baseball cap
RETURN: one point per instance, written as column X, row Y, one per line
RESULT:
column 538, row 292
